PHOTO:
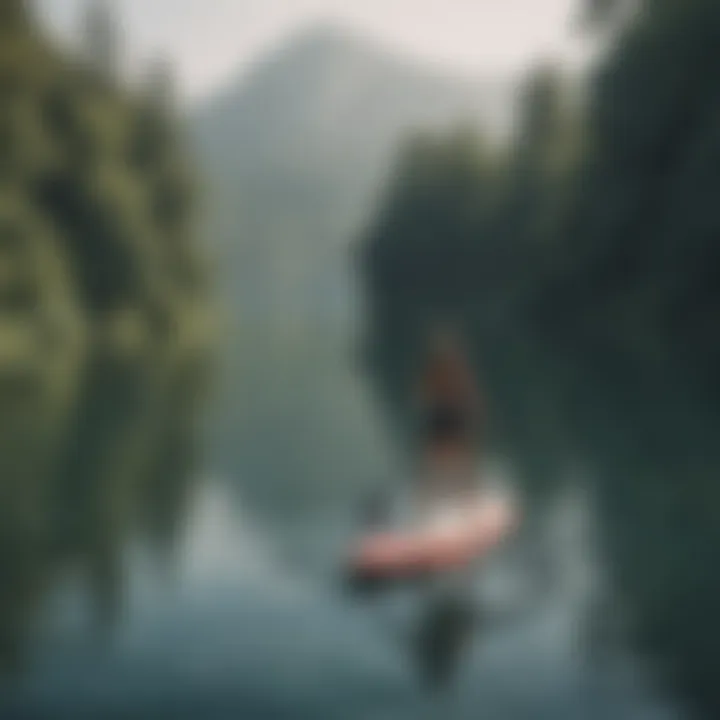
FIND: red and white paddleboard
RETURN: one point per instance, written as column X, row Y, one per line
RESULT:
column 453, row 538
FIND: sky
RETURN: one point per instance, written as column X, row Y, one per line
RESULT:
column 211, row 42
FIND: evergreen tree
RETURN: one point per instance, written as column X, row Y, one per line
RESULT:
column 14, row 16
column 100, row 37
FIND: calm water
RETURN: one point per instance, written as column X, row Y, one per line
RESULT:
column 229, row 634
column 200, row 604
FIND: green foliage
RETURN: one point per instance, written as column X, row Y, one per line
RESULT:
column 465, row 233
column 107, row 171
column 104, row 325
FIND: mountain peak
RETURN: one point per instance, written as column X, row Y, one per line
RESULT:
column 327, row 34
column 330, row 41
column 313, row 96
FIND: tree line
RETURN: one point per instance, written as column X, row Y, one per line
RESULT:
column 105, row 317
column 582, row 262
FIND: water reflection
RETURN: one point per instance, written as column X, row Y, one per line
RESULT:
column 239, row 635
column 119, row 460
column 443, row 633
column 115, row 472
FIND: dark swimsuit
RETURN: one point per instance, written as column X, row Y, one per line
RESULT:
column 447, row 422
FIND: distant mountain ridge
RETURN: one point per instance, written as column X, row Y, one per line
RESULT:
column 317, row 124
column 295, row 153
column 328, row 75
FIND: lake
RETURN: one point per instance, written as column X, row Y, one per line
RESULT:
column 166, row 592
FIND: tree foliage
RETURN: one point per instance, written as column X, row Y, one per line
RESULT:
column 585, row 273
column 104, row 322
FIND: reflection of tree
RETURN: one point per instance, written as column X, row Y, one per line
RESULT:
column 103, row 322
column 24, row 457
column 129, row 469
column 124, row 469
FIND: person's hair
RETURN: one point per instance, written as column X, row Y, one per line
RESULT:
column 447, row 370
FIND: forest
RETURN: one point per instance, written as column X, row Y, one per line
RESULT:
column 581, row 264
column 104, row 318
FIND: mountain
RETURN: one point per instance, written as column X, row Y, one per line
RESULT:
column 330, row 91
column 295, row 153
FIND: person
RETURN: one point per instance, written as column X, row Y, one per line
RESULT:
column 450, row 413
column 451, row 517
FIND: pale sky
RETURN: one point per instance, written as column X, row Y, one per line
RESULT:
column 213, row 41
